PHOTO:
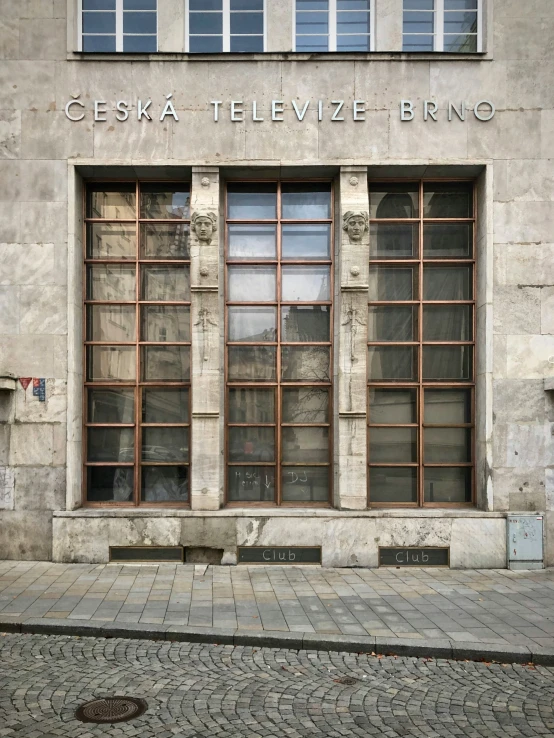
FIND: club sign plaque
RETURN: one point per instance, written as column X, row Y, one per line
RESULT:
column 414, row 556
column 279, row 555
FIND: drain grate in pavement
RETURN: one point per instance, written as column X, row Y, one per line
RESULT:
column 350, row 681
column 111, row 710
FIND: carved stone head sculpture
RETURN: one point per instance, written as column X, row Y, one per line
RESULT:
column 204, row 225
column 355, row 223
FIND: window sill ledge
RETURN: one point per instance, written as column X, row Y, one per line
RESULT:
column 290, row 512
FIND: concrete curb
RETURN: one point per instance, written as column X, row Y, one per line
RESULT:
column 438, row 649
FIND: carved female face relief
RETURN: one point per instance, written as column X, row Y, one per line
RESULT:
column 355, row 224
column 204, row 225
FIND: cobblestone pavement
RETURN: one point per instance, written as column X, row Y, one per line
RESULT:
column 487, row 606
column 199, row 691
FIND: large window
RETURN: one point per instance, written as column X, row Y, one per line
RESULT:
column 118, row 25
column 421, row 331
column 279, row 289
column 333, row 25
column 225, row 25
column 442, row 25
column 137, row 355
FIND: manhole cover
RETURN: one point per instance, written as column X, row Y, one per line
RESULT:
column 347, row 680
column 111, row 710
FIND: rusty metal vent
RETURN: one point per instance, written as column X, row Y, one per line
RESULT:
column 350, row 681
column 111, row 710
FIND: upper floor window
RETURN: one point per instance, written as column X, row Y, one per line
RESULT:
column 442, row 25
column 333, row 25
column 118, row 25
column 225, row 25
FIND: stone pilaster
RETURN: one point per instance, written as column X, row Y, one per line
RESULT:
column 351, row 491
column 204, row 254
column 388, row 25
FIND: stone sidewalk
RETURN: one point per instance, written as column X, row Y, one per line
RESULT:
column 465, row 613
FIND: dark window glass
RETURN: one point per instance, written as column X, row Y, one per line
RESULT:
column 247, row 23
column 104, row 44
column 393, row 445
column 392, row 323
column 206, row 44
column 110, row 483
column 353, row 43
column 250, row 444
column 392, row 363
column 306, row 201
column 305, row 483
column 392, row 406
column 251, row 201
column 447, row 363
column 393, row 241
column 463, row 44
column 164, row 405
column 98, row 22
column 393, row 484
column 111, row 406
column 312, row 43
column 447, row 407
column 165, row 241
column 448, row 200
column 444, row 484
column 139, row 4
column 144, row 23
column 393, row 200
column 251, row 483
column 98, row 4
column 247, row 44
column 205, row 23
column 165, row 484
column 251, row 405
column 163, row 202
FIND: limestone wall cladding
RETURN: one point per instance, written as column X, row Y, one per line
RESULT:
column 37, row 142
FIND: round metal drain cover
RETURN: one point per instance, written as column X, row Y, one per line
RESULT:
column 350, row 681
column 111, row 710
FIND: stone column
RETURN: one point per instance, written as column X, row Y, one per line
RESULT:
column 388, row 25
column 351, row 488
column 204, row 254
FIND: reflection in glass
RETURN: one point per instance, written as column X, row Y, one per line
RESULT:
column 447, row 283
column 165, row 283
column 444, row 484
column 110, row 483
column 256, row 201
column 392, row 406
column 305, row 284
column 251, row 405
column 393, row 241
column 248, row 241
column 305, row 445
column 447, row 240
column 392, row 362
column 304, row 242
column 251, row 483
column 305, row 405
column 110, row 444
column 251, row 444
column 461, row 43
column 163, row 405
column 310, row 364
column 447, row 445
column 167, row 363
column 164, row 241
column 254, row 324
column 111, row 241
column 251, row 363
column 392, row 445
column 447, row 407
column 392, row 283
column 165, row 323
column 392, row 323
column 251, row 284
column 447, row 363
column 111, row 406
column 305, row 484
column 165, row 201
column 394, row 200
column 165, row 444
column 117, row 363
column 165, row 484
column 306, row 200
column 393, row 484
column 114, row 282
column 447, row 200
column 447, row 323
column 417, row 42
column 118, row 203
column 115, row 323
column 305, row 323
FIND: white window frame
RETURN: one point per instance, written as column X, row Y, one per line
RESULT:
column 118, row 26
column 438, row 27
column 226, row 33
column 332, row 35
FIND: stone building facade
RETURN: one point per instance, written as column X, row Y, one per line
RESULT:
column 216, row 131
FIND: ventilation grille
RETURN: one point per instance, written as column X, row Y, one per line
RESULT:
column 175, row 554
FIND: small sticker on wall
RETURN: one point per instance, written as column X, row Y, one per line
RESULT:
column 39, row 389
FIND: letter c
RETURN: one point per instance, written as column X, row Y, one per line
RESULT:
column 68, row 110
column 266, row 558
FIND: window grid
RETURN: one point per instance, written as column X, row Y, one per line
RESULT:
column 227, row 12
column 419, row 384
column 120, row 12
column 438, row 15
column 332, row 15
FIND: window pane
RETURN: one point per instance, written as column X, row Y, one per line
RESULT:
column 392, row 445
column 447, row 445
column 392, row 362
column 111, row 323
column 447, row 362
column 111, row 282
column 170, row 284
column 447, row 485
column 111, row 241
column 249, row 23
column 448, row 200
column 165, row 444
column 164, row 201
column 251, row 405
column 305, row 405
column 142, row 23
column 116, row 363
column 164, row 241
column 305, row 364
column 312, row 4
column 417, row 43
column 452, row 241
column 353, row 43
column 305, row 484
column 165, row 484
column 306, row 324
column 252, row 324
column 98, row 22
column 312, row 43
column 165, row 323
column 447, row 407
column 110, row 483
column 393, row 484
column 305, row 284
column 305, row 445
column 393, row 283
column 353, row 23
column 251, row 284
column 247, row 5
column 447, row 283
column 170, row 363
column 316, row 23
column 304, row 242
column 392, row 406
column 247, row 44
column 392, row 324
column 206, row 44
column 139, row 4
column 419, row 4
column 98, row 4
column 104, row 44
column 393, row 241
column 460, row 22
column 251, row 444
column 305, row 201
column 162, row 405
column 353, row 4
column 251, row 363
column 418, row 22
column 447, row 323
column 205, row 4
column 111, row 444
column 111, row 204
column 462, row 44
column 111, row 406
column 393, row 200
column 251, row 483
column 251, row 201
column 460, row 4
column 252, row 242
column 206, row 23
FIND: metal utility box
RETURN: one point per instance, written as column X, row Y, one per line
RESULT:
column 525, row 541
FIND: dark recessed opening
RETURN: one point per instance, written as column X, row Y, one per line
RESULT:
column 203, row 555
